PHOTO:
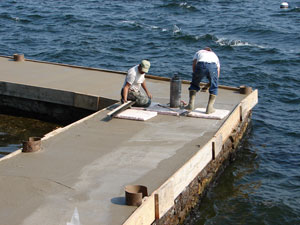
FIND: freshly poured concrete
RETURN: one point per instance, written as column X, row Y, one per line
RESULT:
column 88, row 164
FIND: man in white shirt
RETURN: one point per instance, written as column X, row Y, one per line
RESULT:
column 205, row 64
column 135, row 79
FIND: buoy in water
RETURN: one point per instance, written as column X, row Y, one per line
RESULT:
column 284, row 5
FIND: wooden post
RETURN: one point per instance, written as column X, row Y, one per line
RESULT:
column 156, row 206
column 241, row 113
column 213, row 150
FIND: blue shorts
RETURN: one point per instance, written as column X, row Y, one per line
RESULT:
column 208, row 70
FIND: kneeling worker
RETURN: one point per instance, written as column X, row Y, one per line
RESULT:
column 135, row 78
column 205, row 64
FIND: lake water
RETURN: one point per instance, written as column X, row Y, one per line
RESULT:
column 258, row 45
column 15, row 129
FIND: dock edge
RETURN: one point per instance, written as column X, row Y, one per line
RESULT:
column 171, row 202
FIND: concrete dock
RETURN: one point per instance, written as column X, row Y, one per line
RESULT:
column 87, row 164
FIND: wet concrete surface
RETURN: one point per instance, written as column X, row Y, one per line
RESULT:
column 88, row 164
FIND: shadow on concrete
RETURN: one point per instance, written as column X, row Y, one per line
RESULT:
column 118, row 201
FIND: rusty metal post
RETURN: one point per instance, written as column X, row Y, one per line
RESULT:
column 245, row 90
column 19, row 57
column 134, row 194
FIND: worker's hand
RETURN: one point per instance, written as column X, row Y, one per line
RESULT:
column 150, row 96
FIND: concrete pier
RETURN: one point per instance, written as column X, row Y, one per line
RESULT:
column 87, row 164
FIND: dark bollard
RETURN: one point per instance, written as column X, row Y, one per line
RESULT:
column 245, row 90
column 134, row 194
column 175, row 91
column 19, row 57
column 32, row 145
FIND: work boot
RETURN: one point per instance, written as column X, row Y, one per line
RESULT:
column 191, row 104
column 210, row 106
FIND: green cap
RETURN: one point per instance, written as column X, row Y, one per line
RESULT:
column 145, row 64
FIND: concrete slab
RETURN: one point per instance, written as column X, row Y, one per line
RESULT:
column 89, row 163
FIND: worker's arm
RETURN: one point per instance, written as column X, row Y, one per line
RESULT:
column 194, row 65
column 125, row 91
column 146, row 90
column 218, row 71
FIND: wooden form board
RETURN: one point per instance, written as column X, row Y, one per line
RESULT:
column 217, row 145
column 176, row 184
column 186, row 174
column 248, row 103
column 144, row 214
column 238, row 114
column 166, row 196
column 232, row 121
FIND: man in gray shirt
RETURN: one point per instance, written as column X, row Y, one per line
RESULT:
column 135, row 79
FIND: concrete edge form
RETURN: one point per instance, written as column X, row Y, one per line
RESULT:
column 164, row 198
column 53, row 133
column 62, row 129
column 10, row 155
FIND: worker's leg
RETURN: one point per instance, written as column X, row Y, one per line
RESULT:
column 192, row 96
column 210, row 105
column 213, row 90
column 206, row 87
column 122, row 97
column 213, row 78
column 194, row 87
column 141, row 100
column 197, row 76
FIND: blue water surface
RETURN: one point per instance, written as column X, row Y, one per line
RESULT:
column 258, row 45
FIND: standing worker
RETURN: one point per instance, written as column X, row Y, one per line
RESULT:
column 135, row 78
column 205, row 64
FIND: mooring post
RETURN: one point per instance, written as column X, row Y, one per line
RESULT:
column 32, row 145
column 19, row 57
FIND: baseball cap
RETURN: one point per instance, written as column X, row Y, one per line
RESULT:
column 145, row 64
